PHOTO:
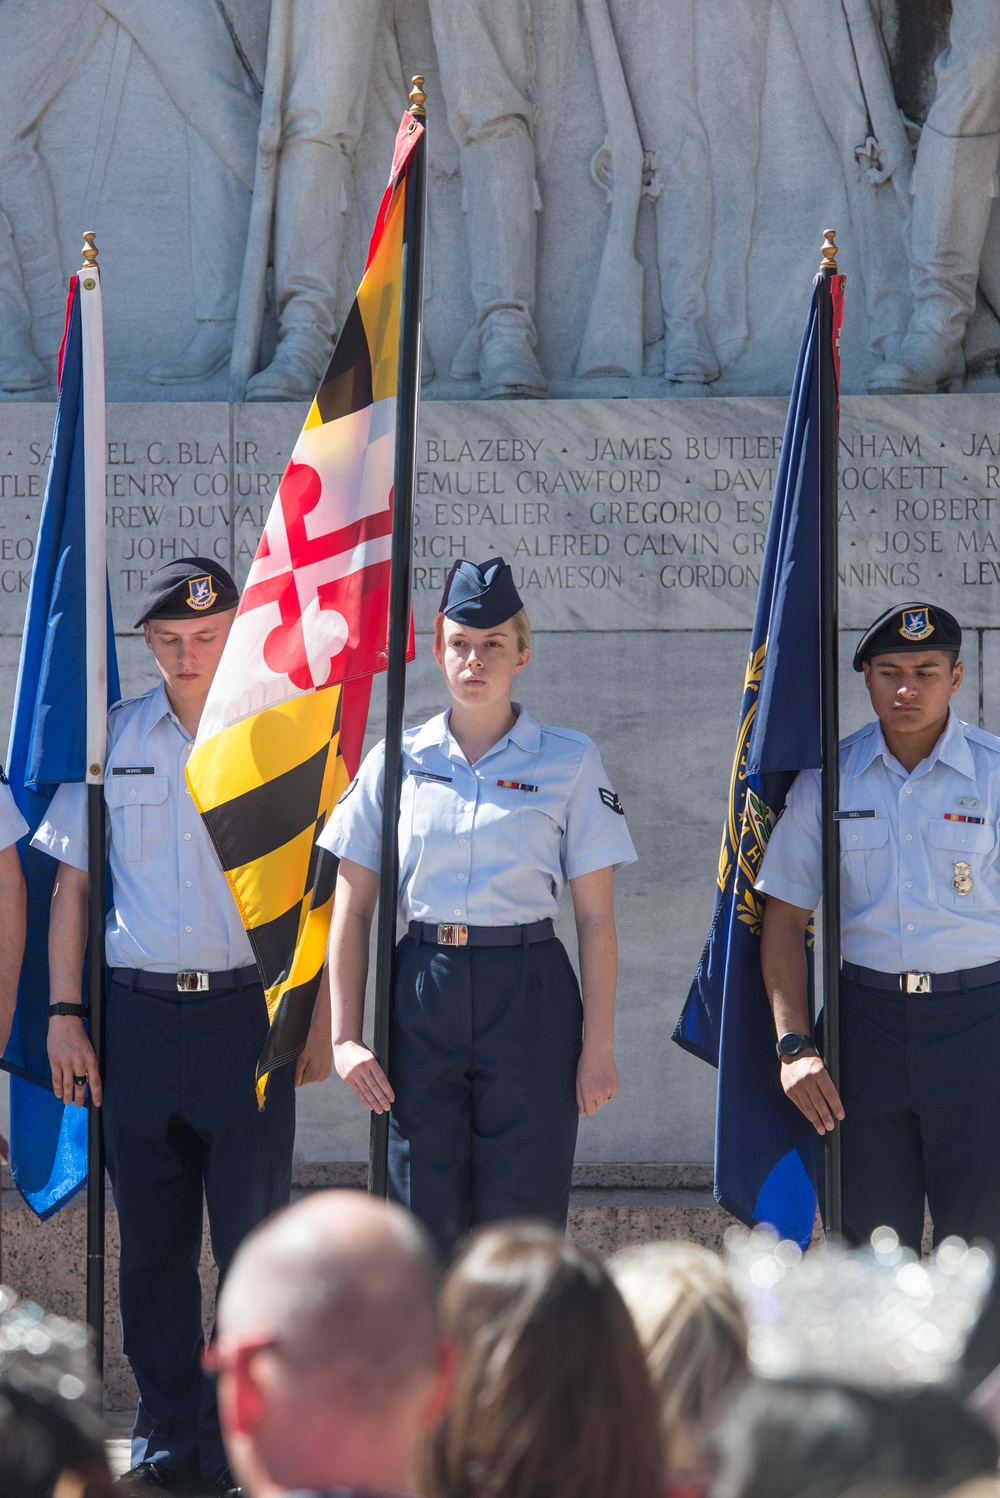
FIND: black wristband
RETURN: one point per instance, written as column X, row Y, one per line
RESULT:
column 78, row 1011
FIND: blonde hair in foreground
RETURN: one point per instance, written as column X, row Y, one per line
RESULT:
column 520, row 621
column 695, row 1338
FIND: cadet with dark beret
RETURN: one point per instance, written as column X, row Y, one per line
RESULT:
column 186, row 1022
column 493, row 1059
column 920, row 932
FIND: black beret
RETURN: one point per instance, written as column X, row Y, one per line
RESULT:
column 912, row 626
column 189, row 588
column 480, row 596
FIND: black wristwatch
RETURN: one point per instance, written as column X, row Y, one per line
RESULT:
column 76, row 1011
column 793, row 1044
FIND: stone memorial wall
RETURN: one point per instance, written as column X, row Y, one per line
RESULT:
column 636, row 530
column 626, row 202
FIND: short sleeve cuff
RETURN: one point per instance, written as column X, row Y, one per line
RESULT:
column 792, row 894
column 49, row 840
column 613, row 858
column 344, row 847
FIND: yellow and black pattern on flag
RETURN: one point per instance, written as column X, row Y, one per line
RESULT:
column 281, row 736
column 264, row 793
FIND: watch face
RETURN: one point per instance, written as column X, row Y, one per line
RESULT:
column 792, row 1044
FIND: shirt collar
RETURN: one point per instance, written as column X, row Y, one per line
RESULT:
column 436, row 732
column 952, row 747
column 157, row 707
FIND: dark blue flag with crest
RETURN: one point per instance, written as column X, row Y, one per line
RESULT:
column 764, row 1147
column 48, row 1140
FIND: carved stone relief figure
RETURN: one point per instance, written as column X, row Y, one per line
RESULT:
column 190, row 47
column 503, row 64
column 319, row 60
column 954, row 184
column 657, row 40
column 844, row 58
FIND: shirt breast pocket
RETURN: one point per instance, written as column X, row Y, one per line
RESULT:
column 137, row 806
column 864, row 861
column 953, row 843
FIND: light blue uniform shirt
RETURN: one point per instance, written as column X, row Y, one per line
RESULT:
column 12, row 824
column 475, row 850
column 173, row 908
column 900, row 910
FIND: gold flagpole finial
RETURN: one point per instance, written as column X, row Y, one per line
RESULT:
column 829, row 250
column 89, row 269
column 417, row 97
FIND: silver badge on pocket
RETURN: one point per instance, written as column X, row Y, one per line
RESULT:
column 962, row 882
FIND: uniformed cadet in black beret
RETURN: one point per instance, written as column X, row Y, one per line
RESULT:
column 186, row 1022
column 920, row 912
column 499, row 812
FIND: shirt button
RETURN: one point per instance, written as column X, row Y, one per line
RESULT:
column 132, row 794
column 909, row 837
column 461, row 842
column 188, row 929
column 909, row 790
column 457, row 910
column 909, row 883
column 910, row 926
column 461, row 877
column 187, row 884
column 187, row 837
column 190, row 746
column 854, row 837
column 963, row 838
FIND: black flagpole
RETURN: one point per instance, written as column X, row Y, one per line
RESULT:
column 829, row 646
column 407, row 400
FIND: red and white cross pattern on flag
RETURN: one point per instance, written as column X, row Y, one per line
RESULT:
column 315, row 607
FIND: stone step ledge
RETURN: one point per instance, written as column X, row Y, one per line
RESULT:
column 612, row 1204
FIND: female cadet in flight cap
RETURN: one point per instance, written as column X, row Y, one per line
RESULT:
column 493, row 1058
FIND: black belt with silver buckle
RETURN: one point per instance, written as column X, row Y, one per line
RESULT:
column 453, row 935
column 970, row 977
column 137, row 980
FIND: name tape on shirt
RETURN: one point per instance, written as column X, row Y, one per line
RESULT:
column 517, row 785
column 133, row 770
column 429, row 775
column 954, row 816
column 851, row 816
column 610, row 798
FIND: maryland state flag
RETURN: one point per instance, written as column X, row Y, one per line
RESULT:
column 280, row 738
column 764, row 1147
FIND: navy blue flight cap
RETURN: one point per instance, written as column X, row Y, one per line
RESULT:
column 190, row 588
column 480, row 596
column 910, row 626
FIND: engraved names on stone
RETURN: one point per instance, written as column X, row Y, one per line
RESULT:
column 614, row 515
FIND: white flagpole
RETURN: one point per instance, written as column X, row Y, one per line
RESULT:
column 95, row 567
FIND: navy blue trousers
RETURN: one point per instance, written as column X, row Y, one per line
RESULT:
column 919, row 1084
column 484, row 1050
column 181, row 1123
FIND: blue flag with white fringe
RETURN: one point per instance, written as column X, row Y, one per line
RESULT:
column 47, row 747
column 765, row 1152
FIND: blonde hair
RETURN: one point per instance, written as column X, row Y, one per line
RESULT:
column 520, row 621
column 692, row 1329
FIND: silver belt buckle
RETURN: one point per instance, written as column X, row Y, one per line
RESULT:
column 453, row 936
column 915, row 982
column 192, row 983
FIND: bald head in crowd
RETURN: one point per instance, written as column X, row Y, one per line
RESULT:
column 330, row 1365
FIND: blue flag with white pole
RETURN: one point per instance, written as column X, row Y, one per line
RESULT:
column 765, row 1169
column 48, row 746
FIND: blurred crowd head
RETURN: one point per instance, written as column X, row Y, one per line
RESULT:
column 51, row 1435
